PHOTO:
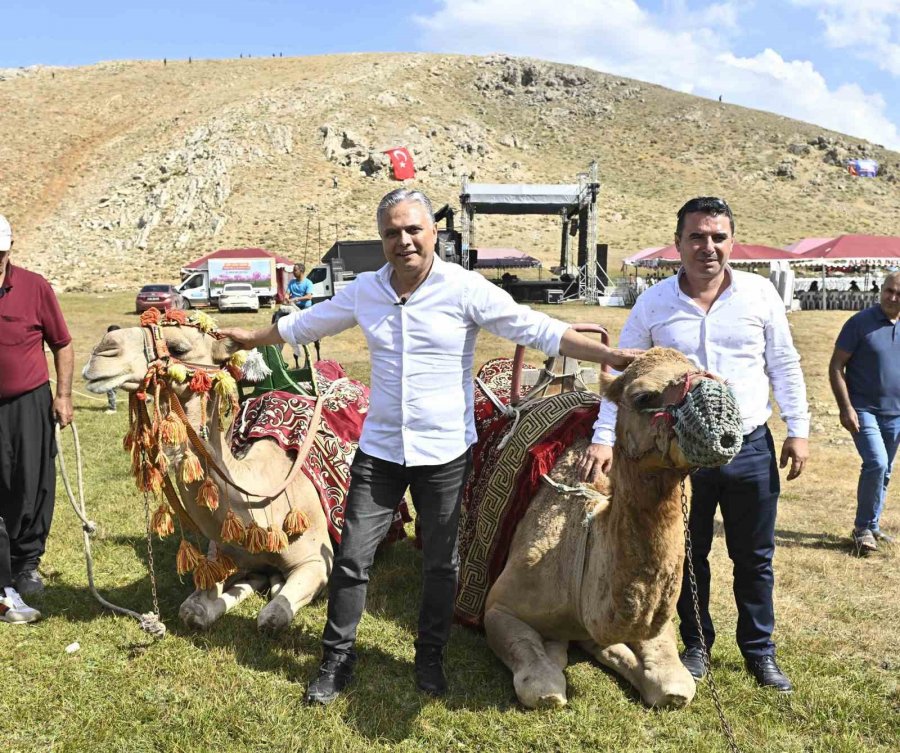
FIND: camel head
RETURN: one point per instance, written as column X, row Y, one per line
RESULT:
column 672, row 414
column 122, row 358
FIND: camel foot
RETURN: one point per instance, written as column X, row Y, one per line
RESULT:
column 674, row 691
column 541, row 691
column 196, row 614
column 276, row 616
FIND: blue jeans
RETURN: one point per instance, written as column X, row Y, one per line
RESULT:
column 876, row 443
column 746, row 490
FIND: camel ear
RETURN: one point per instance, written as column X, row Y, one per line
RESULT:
column 223, row 349
column 611, row 386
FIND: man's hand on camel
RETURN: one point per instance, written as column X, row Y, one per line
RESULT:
column 596, row 459
column 620, row 358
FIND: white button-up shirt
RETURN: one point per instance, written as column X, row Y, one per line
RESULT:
column 421, row 402
column 744, row 337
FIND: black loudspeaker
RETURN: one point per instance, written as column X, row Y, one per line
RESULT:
column 582, row 237
column 602, row 263
column 473, row 258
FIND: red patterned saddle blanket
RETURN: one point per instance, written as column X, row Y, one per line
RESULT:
column 284, row 417
column 504, row 480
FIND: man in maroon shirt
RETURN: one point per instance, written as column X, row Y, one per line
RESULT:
column 29, row 317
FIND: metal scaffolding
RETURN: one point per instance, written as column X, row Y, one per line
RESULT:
column 568, row 202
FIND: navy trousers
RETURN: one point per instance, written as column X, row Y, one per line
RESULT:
column 27, row 480
column 747, row 491
column 376, row 488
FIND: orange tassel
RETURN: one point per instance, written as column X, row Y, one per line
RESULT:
column 162, row 462
column 135, row 462
column 208, row 494
column 191, row 470
column 145, row 438
column 151, row 479
column 227, row 564
column 150, row 316
column 257, row 539
column 233, row 530
column 187, row 558
column 176, row 316
column 295, row 523
column 276, row 539
column 128, row 439
column 206, row 574
column 200, row 382
column 172, row 431
column 161, row 523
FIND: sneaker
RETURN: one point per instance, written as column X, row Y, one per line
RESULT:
column 335, row 673
column 29, row 583
column 695, row 661
column 430, row 678
column 885, row 537
column 768, row 674
column 110, row 410
column 864, row 541
column 14, row 610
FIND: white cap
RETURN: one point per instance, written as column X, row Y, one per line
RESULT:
column 5, row 234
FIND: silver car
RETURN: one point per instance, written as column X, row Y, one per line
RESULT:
column 238, row 296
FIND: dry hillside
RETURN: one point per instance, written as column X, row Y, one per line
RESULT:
column 121, row 172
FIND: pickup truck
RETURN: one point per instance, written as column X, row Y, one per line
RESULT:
column 327, row 280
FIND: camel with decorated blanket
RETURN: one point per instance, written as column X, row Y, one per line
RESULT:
column 256, row 493
column 598, row 565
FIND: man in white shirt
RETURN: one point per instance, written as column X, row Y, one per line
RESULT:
column 421, row 317
column 733, row 324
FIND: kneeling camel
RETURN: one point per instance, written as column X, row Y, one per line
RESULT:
column 606, row 574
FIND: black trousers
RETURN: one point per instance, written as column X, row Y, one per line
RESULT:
column 27, row 480
column 376, row 487
column 747, row 491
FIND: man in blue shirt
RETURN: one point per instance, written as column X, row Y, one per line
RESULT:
column 300, row 289
column 865, row 378
column 300, row 294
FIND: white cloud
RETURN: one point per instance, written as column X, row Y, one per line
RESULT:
column 681, row 47
column 870, row 28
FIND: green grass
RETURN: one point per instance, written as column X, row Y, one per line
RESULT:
column 233, row 689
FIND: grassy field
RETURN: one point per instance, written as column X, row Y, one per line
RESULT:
column 233, row 689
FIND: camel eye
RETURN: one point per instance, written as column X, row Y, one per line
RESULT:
column 179, row 349
column 644, row 400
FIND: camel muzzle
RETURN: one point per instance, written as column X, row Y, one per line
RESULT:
column 707, row 424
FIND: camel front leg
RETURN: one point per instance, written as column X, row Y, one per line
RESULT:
column 651, row 666
column 539, row 681
column 300, row 587
column 203, row 607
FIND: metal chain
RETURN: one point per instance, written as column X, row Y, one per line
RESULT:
column 150, row 557
column 726, row 727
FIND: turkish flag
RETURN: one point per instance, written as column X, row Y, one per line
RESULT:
column 402, row 163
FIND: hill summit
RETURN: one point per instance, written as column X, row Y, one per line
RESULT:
column 122, row 172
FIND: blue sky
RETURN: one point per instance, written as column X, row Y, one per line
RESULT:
column 831, row 62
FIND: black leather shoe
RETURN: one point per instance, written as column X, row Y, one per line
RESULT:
column 430, row 677
column 695, row 661
column 769, row 674
column 29, row 583
column 335, row 673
